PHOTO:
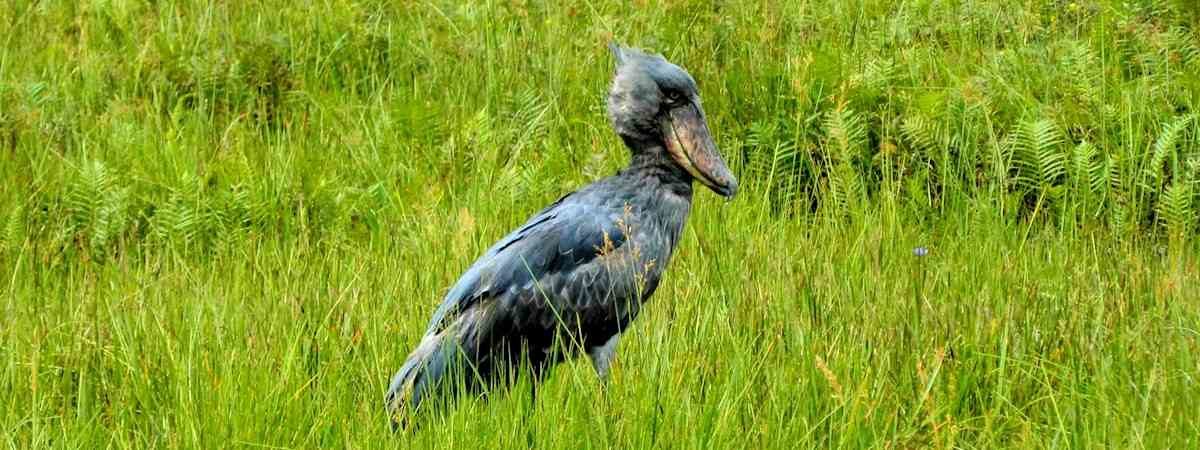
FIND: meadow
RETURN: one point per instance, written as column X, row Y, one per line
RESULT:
column 225, row 224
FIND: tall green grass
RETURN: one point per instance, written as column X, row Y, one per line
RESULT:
column 225, row 224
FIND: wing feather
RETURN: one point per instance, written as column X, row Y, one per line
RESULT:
column 555, row 241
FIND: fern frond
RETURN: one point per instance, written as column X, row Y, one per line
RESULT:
column 1113, row 164
column 528, row 118
column 845, row 134
column 182, row 217
column 1119, row 219
column 85, row 190
column 14, row 228
column 845, row 188
column 933, row 138
column 1174, row 208
column 772, row 162
column 781, row 178
column 110, row 220
column 480, row 128
column 876, row 74
column 1039, row 161
column 1087, row 169
column 96, row 206
column 1182, row 41
column 236, row 206
column 1081, row 68
column 760, row 142
column 1164, row 145
column 920, row 132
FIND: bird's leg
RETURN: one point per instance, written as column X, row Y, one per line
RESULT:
column 535, row 377
column 602, row 357
column 536, row 373
column 533, row 394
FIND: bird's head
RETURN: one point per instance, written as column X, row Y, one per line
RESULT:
column 654, row 104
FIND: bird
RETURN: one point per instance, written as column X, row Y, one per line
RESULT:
column 574, row 276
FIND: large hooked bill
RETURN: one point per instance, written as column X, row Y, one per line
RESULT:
column 691, row 145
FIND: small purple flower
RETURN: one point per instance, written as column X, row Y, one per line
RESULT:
column 920, row 251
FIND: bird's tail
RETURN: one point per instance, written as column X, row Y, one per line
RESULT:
column 425, row 370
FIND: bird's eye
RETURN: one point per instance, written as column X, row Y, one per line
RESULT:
column 674, row 97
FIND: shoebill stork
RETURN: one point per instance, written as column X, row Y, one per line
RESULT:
column 574, row 276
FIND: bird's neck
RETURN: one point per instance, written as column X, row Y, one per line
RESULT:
column 649, row 159
column 662, row 190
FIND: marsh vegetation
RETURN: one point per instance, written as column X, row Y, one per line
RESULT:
column 225, row 224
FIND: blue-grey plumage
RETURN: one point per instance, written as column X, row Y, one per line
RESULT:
column 575, row 275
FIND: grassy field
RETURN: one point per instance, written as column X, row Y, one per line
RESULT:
column 226, row 224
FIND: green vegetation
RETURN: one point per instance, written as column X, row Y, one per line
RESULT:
column 225, row 223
